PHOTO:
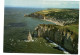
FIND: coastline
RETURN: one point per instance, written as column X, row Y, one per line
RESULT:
column 44, row 18
column 56, row 22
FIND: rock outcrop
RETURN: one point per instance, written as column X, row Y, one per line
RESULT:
column 36, row 15
column 29, row 38
column 62, row 36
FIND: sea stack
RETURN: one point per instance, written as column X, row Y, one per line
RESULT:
column 44, row 18
column 29, row 37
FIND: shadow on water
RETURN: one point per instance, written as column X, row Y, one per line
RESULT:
column 57, row 48
column 5, row 27
column 16, row 24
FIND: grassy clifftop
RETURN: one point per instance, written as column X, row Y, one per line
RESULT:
column 69, row 28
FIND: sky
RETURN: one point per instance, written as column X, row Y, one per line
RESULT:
column 42, row 3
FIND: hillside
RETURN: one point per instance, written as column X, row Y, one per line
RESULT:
column 58, row 16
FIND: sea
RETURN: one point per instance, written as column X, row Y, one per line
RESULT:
column 14, row 17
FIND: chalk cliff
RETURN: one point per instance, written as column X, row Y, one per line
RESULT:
column 60, row 35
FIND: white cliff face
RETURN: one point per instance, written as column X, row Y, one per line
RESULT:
column 59, row 36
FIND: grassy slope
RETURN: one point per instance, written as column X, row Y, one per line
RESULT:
column 71, row 27
column 67, row 15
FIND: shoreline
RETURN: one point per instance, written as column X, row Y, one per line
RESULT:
column 61, row 48
column 56, row 22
